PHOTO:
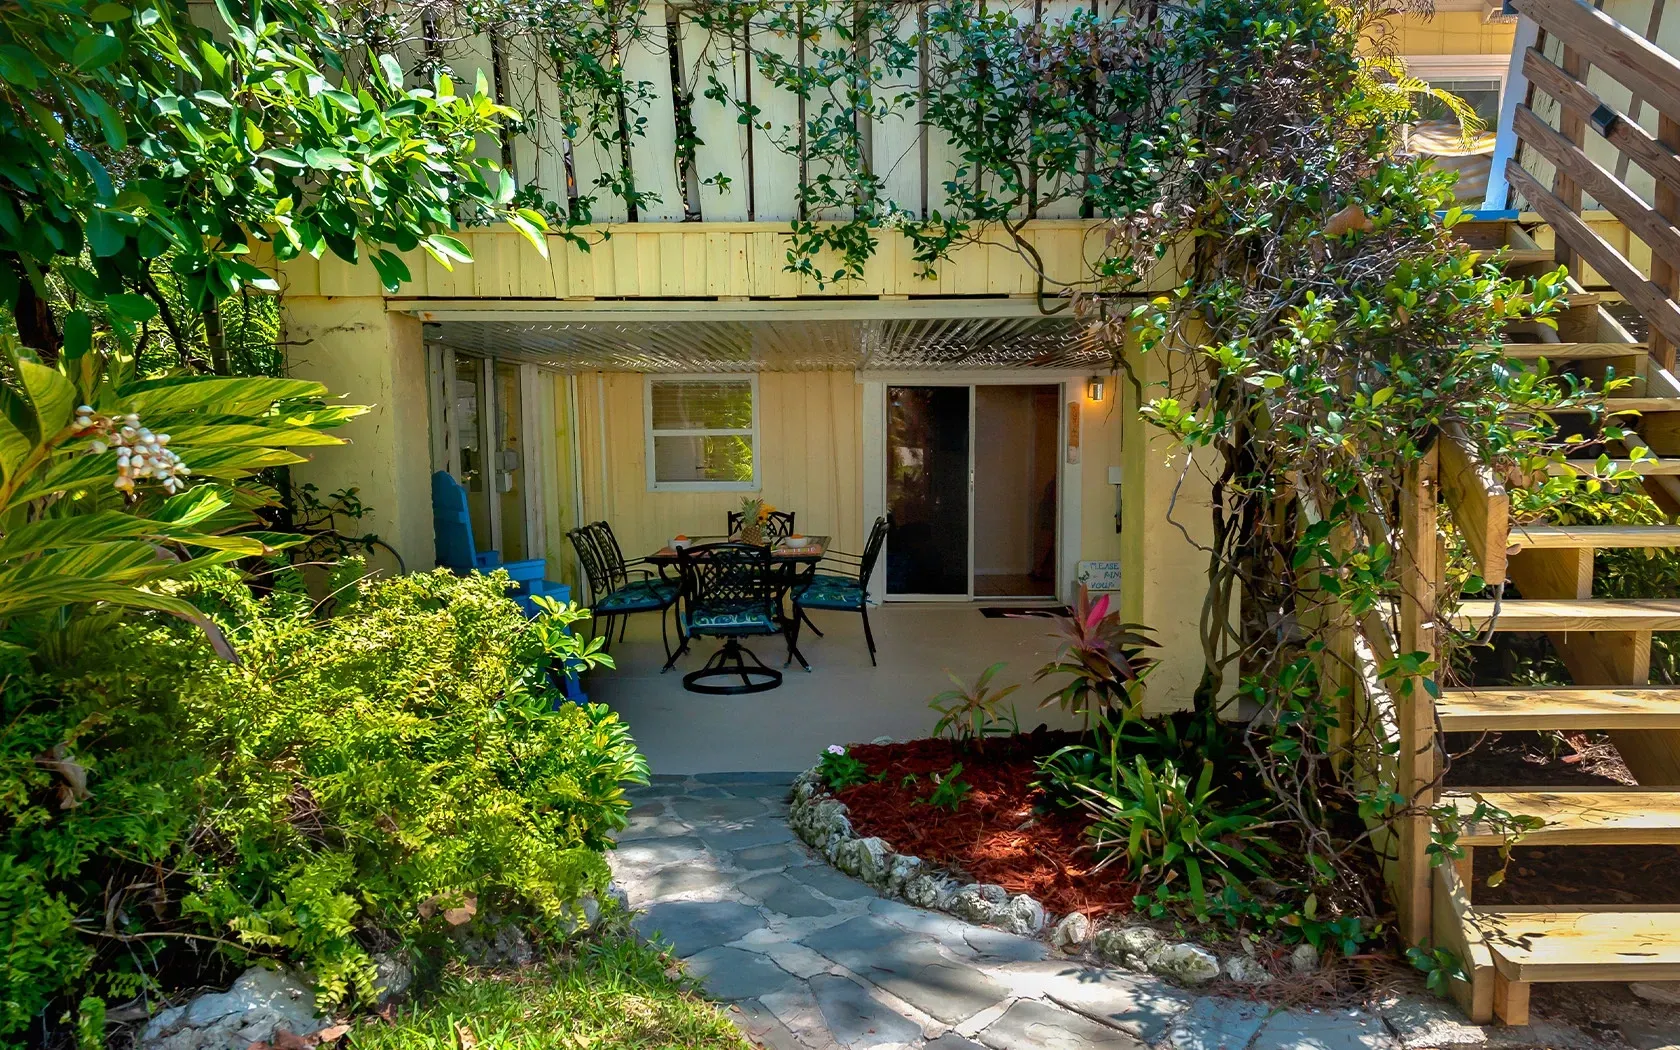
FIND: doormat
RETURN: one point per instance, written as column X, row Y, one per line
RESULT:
column 995, row 612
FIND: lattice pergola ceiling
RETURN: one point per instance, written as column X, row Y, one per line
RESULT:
column 704, row 345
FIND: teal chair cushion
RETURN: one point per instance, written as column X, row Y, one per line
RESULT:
column 638, row 596
column 827, row 591
column 730, row 621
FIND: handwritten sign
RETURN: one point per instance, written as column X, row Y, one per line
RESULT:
column 1099, row 575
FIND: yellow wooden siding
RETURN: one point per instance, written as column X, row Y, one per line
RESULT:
column 808, row 460
column 1452, row 33
column 810, row 449
column 699, row 260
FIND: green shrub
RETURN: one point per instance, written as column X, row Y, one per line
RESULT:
column 1165, row 826
column 339, row 788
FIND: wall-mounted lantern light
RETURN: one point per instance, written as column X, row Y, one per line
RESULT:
column 1094, row 388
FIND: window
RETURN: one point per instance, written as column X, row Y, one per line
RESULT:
column 702, row 433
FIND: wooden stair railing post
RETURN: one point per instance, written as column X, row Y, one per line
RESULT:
column 1664, row 273
column 1420, row 580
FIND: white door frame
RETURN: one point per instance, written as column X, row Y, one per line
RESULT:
column 1069, row 476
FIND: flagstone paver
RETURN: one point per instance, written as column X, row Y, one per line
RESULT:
column 815, row 960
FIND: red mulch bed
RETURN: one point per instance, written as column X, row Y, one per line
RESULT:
column 995, row 835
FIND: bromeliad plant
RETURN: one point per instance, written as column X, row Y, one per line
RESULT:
column 110, row 484
column 1164, row 826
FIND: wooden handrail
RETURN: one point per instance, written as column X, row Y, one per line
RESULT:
column 1648, row 298
column 1648, row 70
column 1622, row 132
column 1480, row 506
column 1611, row 193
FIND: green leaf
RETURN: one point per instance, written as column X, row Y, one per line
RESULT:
column 131, row 306
column 290, row 158
column 78, row 334
column 96, row 51
column 109, row 13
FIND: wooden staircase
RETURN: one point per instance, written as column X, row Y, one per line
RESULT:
column 1606, row 645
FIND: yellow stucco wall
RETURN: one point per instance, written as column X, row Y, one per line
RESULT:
column 373, row 357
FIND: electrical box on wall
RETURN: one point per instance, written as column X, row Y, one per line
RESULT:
column 1114, row 475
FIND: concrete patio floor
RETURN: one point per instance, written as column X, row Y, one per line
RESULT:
column 843, row 700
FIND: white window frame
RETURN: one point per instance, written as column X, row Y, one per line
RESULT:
column 1461, row 67
column 653, row 482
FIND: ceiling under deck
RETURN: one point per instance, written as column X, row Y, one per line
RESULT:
column 716, row 345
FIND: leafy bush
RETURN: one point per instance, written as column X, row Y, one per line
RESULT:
column 840, row 770
column 316, row 800
column 970, row 713
column 1164, row 826
column 949, row 789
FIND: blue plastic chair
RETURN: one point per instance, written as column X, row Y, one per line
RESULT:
column 456, row 551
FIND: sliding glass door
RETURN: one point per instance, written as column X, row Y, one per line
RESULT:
column 480, row 436
column 930, row 468
column 973, row 491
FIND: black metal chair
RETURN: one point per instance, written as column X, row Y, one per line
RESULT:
column 730, row 591
column 777, row 526
column 618, row 589
column 843, row 587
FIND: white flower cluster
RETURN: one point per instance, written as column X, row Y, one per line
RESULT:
column 141, row 454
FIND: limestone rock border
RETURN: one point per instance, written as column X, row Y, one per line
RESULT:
column 824, row 823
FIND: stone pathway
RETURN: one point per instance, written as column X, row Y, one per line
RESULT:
column 813, row 959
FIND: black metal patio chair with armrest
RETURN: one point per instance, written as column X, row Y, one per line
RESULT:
column 620, row 589
column 730, row 591
column 778, row 524
column 842, row 586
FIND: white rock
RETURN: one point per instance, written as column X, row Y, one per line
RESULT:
column 928, row 891
column 901, row 870
column 1128, row 942
column 993, row 894
column 865, row 858
column 1072, row 931
column 883, row 740
column 1666, row 992
column 1304, row 959
column 1244, row 969
column 260, row 1003
column 1022, row 915
column 1185, row 962
column 970, row 903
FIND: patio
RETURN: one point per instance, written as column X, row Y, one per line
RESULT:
column 842, row 700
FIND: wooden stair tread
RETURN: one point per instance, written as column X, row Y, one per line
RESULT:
column 1536, row 537
column 1567, row 707
column 1579, row 818
column 1592, row 614
column 1644, row 467
column 1571, row 351
column 1567, row 945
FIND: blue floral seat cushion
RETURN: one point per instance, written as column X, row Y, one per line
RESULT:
column 827, row 591
column 730, row 620
column 637, row 596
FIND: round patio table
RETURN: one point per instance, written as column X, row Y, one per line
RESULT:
column 793, row 562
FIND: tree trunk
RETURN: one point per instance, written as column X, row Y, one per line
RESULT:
column 35, row 323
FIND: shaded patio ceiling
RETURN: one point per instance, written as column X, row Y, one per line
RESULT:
column 751, row 344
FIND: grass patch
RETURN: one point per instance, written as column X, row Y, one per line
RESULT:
column 617, row 994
